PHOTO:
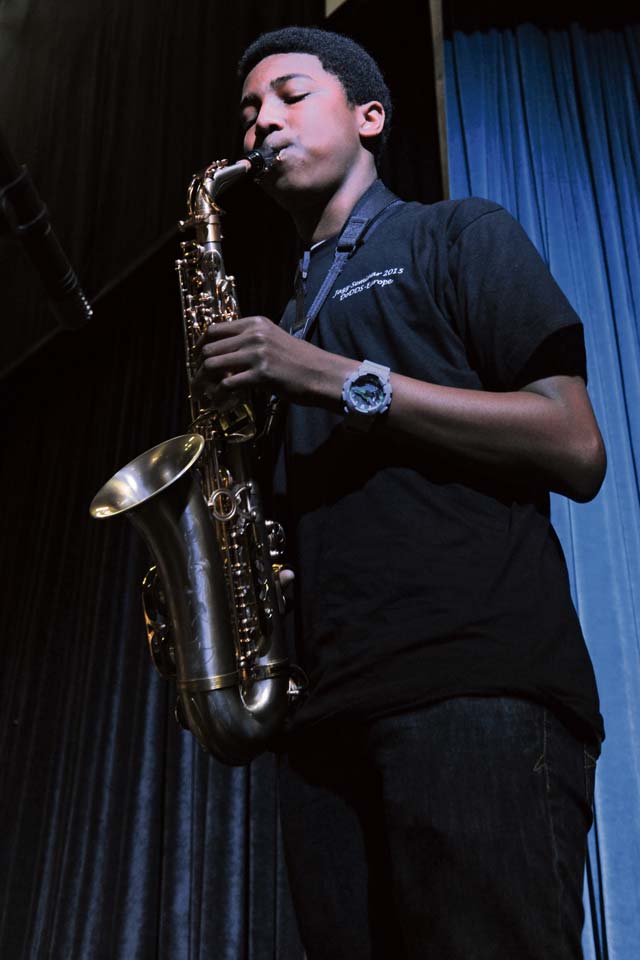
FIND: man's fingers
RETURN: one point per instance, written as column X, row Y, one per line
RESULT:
column 285, row 579
column 227, row 328
column 216, row 332
column 214, row 370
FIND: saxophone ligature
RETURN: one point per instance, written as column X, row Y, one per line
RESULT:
column 212, row 601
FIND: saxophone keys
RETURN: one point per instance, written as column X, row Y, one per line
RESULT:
column 223, row 504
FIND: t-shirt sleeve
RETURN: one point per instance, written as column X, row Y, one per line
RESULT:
column 516, row 323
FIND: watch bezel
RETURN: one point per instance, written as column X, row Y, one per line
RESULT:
column 363, row 417
column 364, row 404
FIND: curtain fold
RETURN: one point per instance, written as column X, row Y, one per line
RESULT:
column 546, row 123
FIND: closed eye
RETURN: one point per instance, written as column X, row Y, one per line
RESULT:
column 291, row 98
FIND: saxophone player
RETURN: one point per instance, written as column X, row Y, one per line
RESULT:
column 436, row 781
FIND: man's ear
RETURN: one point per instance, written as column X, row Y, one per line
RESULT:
column 372, row 117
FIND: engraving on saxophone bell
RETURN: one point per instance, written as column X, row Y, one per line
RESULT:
column 209, row 609
column 158, row 626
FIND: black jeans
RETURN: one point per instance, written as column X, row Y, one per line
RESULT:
column 454, row 832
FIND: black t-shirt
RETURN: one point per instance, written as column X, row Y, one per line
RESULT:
column 420, row 576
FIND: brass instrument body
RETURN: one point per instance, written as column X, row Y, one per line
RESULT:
column 213, row 608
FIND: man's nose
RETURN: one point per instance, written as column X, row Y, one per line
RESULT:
column 269, row 118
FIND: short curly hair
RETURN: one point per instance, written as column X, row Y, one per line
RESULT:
column 356, row 69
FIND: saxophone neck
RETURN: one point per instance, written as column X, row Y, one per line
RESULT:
column 204, row 216
column 204, row 213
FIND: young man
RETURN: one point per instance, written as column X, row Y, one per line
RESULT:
column 437, row 787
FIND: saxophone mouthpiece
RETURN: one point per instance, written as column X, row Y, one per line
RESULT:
column 219, row 175
column 261, row 161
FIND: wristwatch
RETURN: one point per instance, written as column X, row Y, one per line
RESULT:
column 366, row 394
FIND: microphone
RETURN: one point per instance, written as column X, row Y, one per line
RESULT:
column 27, row 217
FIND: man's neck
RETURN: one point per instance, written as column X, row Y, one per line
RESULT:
column 324, row 219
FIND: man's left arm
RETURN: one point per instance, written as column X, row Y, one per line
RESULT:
column 547, row 426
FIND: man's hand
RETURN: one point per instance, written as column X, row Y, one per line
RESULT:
column 254, row 352
column 286, row 576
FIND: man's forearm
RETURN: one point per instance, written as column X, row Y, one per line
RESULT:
column 547, row 427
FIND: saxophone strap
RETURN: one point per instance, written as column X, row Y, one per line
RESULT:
column 372, row 209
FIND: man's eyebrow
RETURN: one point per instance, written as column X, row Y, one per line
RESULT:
column 252, row 99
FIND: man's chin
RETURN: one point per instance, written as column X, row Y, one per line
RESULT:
column 283, row 188
column 295, row 188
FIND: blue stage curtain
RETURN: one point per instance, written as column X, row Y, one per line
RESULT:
column 546, row 123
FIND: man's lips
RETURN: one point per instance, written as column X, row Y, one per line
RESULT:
column 278, row 161
column 284, row 158
column 280, row 151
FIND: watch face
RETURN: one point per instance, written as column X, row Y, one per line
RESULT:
column 367, row 393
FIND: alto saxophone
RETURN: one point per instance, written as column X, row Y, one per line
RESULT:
column 212, row 602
